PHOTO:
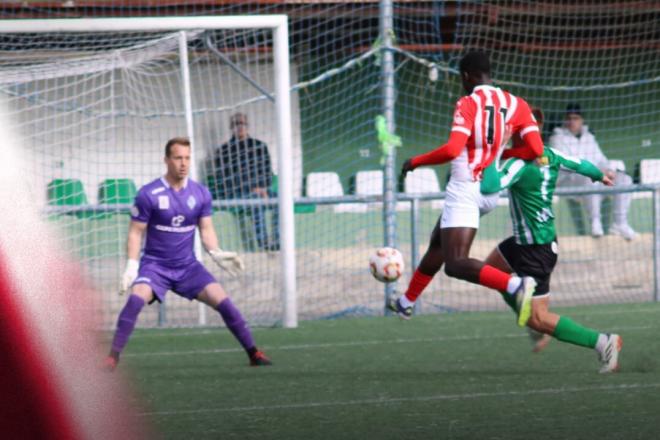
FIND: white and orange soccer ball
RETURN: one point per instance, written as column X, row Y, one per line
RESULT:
column 386, row 264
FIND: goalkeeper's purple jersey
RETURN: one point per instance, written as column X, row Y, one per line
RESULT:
column 171, row 218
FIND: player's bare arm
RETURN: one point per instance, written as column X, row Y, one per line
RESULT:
column 607, row 180
column 133, row 244
column 207, row 234
column 134, row 240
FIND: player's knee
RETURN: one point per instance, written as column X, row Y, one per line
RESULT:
column 430, row 264
column 453, row 268
column 143, row 291
column 435, row 243
column 534, row 324
column 212, row 295
column 539, row 320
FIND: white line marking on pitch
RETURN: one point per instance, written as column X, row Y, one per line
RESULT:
column 385, row 401
column 186, row 331
column 324, row 345
column 174, row 332
column 352, row 343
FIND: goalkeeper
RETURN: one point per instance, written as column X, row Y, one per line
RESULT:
column 532, row 250
column 169, row 209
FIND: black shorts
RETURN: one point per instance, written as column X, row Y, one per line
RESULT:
column 534, row 260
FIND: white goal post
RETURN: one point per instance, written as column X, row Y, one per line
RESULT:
column 279, row 26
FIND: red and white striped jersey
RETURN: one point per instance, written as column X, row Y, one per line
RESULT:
column 482, row 116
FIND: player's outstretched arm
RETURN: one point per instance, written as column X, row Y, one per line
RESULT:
column 463, row 121
column 228, row 261
column 446, row 153
column 133, row 242
column 581, row 166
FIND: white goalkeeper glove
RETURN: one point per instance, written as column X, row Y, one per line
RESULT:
column 130, row 274
column 228, row 261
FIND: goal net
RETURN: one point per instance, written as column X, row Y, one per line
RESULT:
column 553, row 54
column 97, row 108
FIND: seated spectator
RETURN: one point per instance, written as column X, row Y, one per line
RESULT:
column 575, row 139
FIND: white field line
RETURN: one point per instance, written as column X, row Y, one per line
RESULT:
column 174, row 332
column 386, row 401
column 185, row 331
column 353, row 343
column 324, row 345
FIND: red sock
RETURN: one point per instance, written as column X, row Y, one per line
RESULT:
column 418, row 283
column 494, row 278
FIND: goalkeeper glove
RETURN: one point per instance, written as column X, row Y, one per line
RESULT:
column 130, row 274
column 406, row 168
column 229, row 261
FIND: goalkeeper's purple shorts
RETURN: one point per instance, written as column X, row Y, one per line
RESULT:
column 187, row 281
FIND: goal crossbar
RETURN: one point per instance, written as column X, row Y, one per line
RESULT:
column 137, row 24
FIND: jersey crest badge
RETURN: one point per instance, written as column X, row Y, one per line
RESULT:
column 543, row 161
column 163, row 202
column 191, row 202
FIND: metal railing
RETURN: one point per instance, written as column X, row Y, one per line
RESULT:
column 415, row 201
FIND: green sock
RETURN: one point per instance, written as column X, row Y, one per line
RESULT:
column 569, row 331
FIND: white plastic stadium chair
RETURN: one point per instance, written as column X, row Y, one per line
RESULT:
column 616, row 165
column 649, row 171
column 370, row 183
column 327, row 184
column 423, row 181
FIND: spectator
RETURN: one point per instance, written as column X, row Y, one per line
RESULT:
column 575, row 139
column 242, row 170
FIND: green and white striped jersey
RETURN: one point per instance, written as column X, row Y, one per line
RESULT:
column 531, row 187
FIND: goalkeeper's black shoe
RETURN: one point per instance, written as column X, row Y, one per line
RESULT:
column 395, row 305
column 259, row 359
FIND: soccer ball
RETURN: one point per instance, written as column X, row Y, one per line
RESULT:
column 386, row 264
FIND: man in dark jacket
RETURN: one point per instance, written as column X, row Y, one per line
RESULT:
column 242, row 170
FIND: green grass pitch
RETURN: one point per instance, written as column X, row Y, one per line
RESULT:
column 451, row 376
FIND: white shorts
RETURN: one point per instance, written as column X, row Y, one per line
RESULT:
column 464, row 204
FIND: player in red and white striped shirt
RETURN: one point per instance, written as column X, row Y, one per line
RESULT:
column 476, row 140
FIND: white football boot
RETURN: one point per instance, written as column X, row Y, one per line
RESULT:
column 609, row 356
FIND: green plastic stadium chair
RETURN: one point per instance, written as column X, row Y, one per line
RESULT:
column 116, row 192
column 67, row 192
